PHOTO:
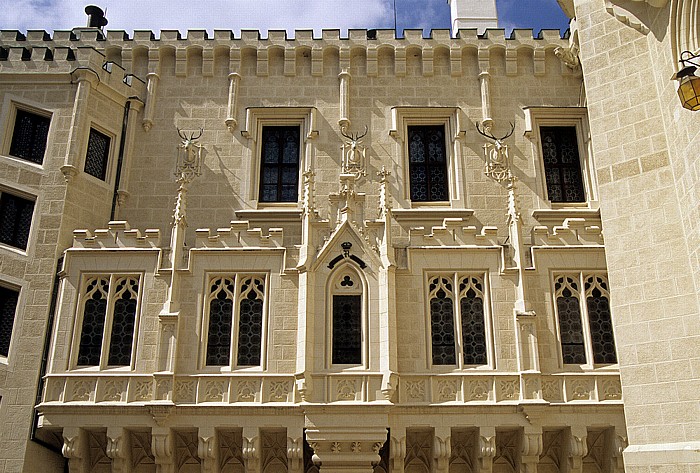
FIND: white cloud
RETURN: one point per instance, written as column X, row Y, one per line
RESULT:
column 235, row 15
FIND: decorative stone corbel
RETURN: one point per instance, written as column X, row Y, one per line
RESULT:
column 303, row 387
column 619, row 444
column 630, row 11
column 531, row 449
column 576, row 449
column 398, row 454
column 487, row 450
column 442, row 451
column 119, row 449
column 251, row 451
column 75, row 450
column 295, row 454
column 389, row 383
column 163, row 449
column 206, row 450
column 234, row 79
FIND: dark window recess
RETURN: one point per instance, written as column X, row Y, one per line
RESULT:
column 97, row 154
column 121, row 341
column 442, row 328
column 279, row 170
column 600, row 322
column 427, row 163
column 15, row 220
column 347, row 330
column 570, row 326
column 250, row 326
column 562, row 166
column 29, row 136
column 8, row 305
column 473, row 327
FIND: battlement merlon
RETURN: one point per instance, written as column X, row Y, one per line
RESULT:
column 465, row 45
column 118, row 235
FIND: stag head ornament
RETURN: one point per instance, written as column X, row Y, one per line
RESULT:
column 497, row 165
column 189, row 155
column 353, row 153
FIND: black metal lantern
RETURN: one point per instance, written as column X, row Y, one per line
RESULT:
column 689, row 83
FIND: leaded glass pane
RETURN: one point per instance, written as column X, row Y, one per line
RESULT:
column 220, row 323
column 442, row 329
column 570, row 325
column 562, row 164
column 29, row 136
column 347, row 329
column 427, row 163
column 97, row 154
column 8, row 306
column 94, row 312
column 123, row 321
column 250, row 324
column 15, row 220
column 473, row 326
column 279, row 180
column 598, row 306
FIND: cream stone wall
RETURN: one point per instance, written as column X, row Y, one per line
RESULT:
column 524, row 409
column 644, row 144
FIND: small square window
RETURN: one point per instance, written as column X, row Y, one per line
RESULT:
column 29, row 136
column 279, row 164
column 8, row 306
column 97, row 154
column 15, row 220
column 427, row 158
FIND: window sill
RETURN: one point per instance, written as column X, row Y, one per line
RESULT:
column 422, row 213
column 275, row 213
column 14, row 250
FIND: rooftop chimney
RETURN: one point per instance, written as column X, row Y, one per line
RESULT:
column 479, row 14
column 96, row 17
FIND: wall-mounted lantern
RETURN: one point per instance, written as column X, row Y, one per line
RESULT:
column 689, row 83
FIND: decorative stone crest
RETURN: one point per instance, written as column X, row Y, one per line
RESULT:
column 353, row 154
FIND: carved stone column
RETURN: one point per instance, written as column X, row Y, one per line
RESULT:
column 75, row 450
column 531, row 449
column 295, row 453
column 119, row 449
column 135, row 106
column 163, row 450
column 151, row 89
column 234, row 79
column 344, row 120
column 486, row 449
column 86, row 79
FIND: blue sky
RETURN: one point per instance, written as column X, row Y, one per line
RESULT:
column 267, row 14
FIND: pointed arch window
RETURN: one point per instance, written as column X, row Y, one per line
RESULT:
column 458, row 323
column 109, row 311
column 347, row 318
column 235, row 311
column 584, row 320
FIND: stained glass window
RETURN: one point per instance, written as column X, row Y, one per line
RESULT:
column 570, row 326
column 29, row 136
column 15, row 220
column 347, row 329
column 220, row 322
column 94, row 314
column 427, row 163
column 442, row 321
column 250, row 323
column 248, row 299
column 279, row 170
column 8, row 306
column 97, row 154
column 598, row 307
column 562, row 165
column 473, row 327
column 123, row 320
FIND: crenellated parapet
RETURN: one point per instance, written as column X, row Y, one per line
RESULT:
column 453, row 232
column 367, row 46
column 118, row 235
column 239, row 235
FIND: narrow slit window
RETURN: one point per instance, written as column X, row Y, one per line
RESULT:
column 347, row 329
